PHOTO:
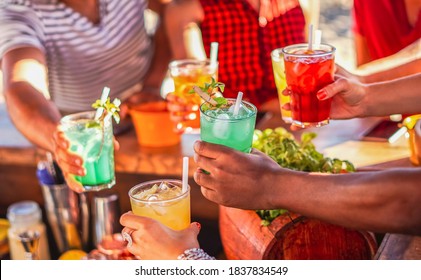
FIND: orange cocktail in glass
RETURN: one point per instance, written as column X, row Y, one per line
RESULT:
column 187, row 73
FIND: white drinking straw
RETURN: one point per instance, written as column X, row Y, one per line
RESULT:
column 317, row 38
column 214, row 53
column 104, row 96
column 238, row 103
column 398, row 134
column 185, row 174
column 310, row 37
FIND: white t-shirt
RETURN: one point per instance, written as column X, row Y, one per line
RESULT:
column 82, row 57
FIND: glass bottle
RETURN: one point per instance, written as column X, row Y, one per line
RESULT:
column 27, row 233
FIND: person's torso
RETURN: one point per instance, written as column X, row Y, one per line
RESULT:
column 245, row 47
column 385, row 26
column 83, row 57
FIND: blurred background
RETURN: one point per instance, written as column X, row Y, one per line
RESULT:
column 335, row 23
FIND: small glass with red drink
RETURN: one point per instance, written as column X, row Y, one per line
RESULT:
column 307, row 71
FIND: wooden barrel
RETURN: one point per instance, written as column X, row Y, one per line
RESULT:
column 290, row 237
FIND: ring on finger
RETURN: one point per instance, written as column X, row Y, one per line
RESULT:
column 127, row 236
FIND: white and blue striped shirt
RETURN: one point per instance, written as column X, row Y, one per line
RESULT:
column 82, row 57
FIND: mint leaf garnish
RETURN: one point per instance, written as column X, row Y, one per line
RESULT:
column 214, row 90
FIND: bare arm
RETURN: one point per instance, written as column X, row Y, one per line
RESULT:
column 33, row 114
column 352, row 99
column 383, row 201
column 311, row 10
column 26, row 95
column 399, row 71
column 403, row 63
column 183, row 17
column 361, row 50
column 399, row 96
column 162, row 54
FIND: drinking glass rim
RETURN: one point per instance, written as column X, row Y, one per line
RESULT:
column 231, row 120
column 277, row 54
column 178, row 62
column 326, row 52
column 68, row 119
column 75, row 119
column 152, row 182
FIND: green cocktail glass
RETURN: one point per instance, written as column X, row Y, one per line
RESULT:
column 93, row 141
column 221, row 126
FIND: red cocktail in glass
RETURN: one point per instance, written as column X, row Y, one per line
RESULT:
column 308, row 71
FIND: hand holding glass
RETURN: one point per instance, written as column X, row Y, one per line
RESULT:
column 308, row 71
column 162, row 200
column 222, row 126
column 93, row 140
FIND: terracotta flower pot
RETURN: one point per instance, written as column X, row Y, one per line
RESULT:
column 290, row 237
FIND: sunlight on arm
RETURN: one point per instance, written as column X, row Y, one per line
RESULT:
column 311, row 10
column 33, row 72
column 404, row 56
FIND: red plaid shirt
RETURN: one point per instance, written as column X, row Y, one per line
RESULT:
column 244, row 47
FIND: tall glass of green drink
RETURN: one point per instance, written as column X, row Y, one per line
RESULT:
column 220, row 125
column 92, row 139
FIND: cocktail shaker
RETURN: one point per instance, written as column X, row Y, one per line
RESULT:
column 68, row 213
column 63, row 215
column 106, row 216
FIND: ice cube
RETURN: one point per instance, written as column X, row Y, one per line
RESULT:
column 244, row 111
column 231, row 108
column 173, row 192
column 223, row 116
column 144, row 194
column 221, row 128
column 163, row 186
column 152, row 197
column 159, row 210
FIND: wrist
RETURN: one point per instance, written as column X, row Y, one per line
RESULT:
column 285, row 182
column 369, row 105
column 275, row 183
column 195, row 254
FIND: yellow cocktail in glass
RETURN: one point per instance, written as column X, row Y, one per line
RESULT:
column 162, row 200
column 280, row 81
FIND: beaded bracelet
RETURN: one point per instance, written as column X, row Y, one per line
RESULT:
column 195, row 254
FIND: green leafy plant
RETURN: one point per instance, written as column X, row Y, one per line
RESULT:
column 282, row 147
